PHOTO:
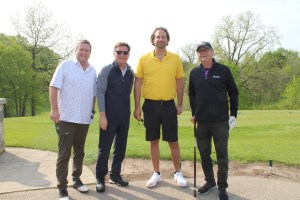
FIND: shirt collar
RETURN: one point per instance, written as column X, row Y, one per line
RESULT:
column 79, row 65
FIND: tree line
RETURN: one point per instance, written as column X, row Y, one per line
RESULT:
column 266, row 78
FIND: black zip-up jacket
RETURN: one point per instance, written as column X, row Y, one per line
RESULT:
column 209, row 96
column 113, row 92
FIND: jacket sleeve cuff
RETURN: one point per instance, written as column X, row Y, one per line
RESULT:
column 233, row 113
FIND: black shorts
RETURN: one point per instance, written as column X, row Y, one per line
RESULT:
column 160, row 115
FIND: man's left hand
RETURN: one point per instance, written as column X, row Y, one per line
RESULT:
column 231, row 122
column 179, row 109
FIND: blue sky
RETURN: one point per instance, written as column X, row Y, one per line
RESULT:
column 107, row 22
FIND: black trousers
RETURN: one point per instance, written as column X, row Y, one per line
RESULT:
column 117, row 132
column 218, row 132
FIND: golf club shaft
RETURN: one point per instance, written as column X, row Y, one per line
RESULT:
column 195, row 143
column 194, row 162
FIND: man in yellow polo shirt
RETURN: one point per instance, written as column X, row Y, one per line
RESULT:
column 159, row 77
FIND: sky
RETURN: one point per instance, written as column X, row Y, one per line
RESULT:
column 106, row 22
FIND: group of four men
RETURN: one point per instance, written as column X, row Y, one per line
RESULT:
column 159, row 80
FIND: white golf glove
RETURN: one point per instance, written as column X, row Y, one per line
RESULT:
column 231, row 122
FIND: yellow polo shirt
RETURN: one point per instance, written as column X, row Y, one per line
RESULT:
column 159, row 77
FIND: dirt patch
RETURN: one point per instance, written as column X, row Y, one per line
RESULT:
column 134, row 169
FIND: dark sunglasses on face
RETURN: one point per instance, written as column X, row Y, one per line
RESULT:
column 120, row 52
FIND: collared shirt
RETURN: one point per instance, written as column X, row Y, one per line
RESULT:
column 124, row 71
column 159, row 77
column 76, row 90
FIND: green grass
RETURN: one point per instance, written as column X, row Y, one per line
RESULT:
column 260, row 136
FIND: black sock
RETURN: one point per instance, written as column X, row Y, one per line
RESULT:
column 158, row 173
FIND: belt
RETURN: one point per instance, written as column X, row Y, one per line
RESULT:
column 159, row 102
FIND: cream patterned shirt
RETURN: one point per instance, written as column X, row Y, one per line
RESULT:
column 76, row 90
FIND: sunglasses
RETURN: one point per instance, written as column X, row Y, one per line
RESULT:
column 120, row 52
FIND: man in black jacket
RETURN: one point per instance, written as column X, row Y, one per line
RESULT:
column 210, row 85
column 114, row 85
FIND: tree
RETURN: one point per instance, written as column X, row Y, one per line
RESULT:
column 189, row 59
column 15, row 76
column 291, row 96
column 275, row 74
column 242, row 39
column 39, row 33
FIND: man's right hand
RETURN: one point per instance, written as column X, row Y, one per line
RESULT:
column 103, row 121
column 54, row 116
column 193, row 120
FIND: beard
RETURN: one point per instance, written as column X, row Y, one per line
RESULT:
column 161, row 45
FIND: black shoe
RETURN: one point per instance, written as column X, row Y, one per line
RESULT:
column 206, row 188
column 117, row 179
column 100, row 185
column 223, row 194
column 78, row 185
column 63, row 194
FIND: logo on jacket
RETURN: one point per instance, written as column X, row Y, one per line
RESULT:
column 216, row 77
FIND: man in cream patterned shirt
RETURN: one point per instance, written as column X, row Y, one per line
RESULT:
column 72, row 94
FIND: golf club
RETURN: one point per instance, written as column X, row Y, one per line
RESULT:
column 195, row 143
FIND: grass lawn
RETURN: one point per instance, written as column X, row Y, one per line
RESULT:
column 260, row 135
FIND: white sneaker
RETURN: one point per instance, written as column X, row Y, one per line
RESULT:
column 180, row 180
column 80, row 186
column 153, row 180
column 64, row 198
column 83, row 188
column 63, row 195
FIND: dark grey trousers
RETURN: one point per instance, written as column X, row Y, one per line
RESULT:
column 70, row 135
column 218, row 132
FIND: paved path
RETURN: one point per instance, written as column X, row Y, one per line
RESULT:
column 30, row 169
column 29, row 174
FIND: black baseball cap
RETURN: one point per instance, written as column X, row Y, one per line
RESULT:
column 204, row 44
